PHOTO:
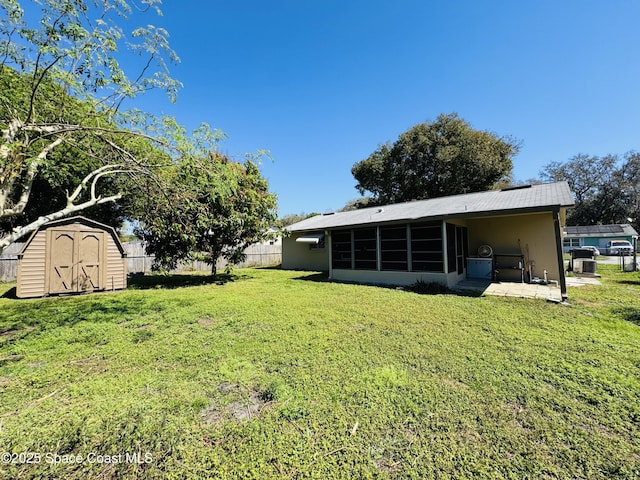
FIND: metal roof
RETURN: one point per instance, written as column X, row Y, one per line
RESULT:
column 542, row 197
column 623, row 229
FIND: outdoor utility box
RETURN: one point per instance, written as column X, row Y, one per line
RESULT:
column 583, row 261
column 73, row 255
column 481, row 268
column 585, row 266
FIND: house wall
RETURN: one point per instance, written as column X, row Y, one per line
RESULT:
column 31, row 268
column 391, row 278
column 513, row 234
column 532, row 235
column 598, row 242
column 298, row 256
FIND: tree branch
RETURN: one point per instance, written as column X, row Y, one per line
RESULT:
column 32, row 171
column 96, row 174
column 68, row 210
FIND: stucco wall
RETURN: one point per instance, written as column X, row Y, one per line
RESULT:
column 298, row 256
column 532, row 235
column 533, row 230
column 389, row 278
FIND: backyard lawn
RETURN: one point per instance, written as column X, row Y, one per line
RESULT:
column 281, row 374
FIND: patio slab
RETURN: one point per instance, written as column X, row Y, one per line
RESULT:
column 522, row 290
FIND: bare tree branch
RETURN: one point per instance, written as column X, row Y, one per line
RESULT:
column 6, row 240
column 71, row 207
column 32, row 171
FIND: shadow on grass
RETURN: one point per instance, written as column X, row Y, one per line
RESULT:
column 11, row 294
column 315, row 277
column 420, row 288
column 148, row 282
column 629, row 314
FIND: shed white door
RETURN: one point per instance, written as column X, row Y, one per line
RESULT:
column 76, row 261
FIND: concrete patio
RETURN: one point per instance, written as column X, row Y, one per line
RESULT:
column 522, row 290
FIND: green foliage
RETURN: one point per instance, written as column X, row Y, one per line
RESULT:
column 445, row 157
column 62, row 91
column 75, row 44
column 295, row 218
column 207, row 207
column 607, row 189
column 273, row 374
column 429, row 288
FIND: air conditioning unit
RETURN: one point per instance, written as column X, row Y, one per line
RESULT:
column 589, row 266
column 584, row 265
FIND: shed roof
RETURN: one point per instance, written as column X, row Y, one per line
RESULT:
column 623, row 229
column 528, row 198
column 82, row 220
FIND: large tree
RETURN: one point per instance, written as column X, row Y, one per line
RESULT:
column 209, row 208
column 65, row 166
column 61, row 103
column 606, row 189
column 434, row 159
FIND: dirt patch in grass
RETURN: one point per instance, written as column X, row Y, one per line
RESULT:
column 206, row 321
column 388, row 466
column 248, row 403
column 455, row 384
column 10, row 358
column 13, row 334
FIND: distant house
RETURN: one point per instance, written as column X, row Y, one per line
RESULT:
column 596, row 235
column 72, row 255
column 514, row 234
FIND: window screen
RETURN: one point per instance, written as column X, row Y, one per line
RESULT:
column 364, row 249
column 426, row 248
column 341, row 249
column 393, row 248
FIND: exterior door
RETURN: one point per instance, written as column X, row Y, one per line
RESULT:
column 75, row 261
column 63, row 263
column 457, row 250
column 89, row 261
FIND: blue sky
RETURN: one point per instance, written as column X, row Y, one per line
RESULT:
column 322, row 83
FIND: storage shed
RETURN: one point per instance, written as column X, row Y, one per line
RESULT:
column 72, row 255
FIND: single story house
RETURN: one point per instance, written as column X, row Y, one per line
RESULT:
column 597, row 236
column 513, row 234
column 71, row 255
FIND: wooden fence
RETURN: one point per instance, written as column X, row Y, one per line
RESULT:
column 9, row 262
column 139, row 262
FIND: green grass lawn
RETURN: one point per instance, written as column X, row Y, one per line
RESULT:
column 279, row 374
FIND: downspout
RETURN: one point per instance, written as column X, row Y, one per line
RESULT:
column 560, row 255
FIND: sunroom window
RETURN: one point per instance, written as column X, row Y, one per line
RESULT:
column 393, row 248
